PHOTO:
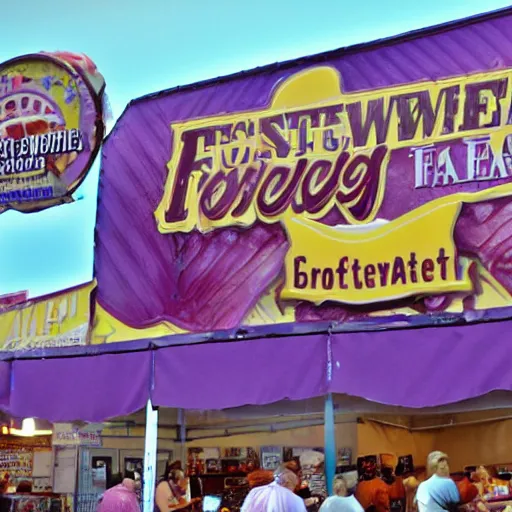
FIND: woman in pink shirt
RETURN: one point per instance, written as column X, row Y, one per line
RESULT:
column 121, row 498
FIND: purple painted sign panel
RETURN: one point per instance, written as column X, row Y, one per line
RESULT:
column 366, row 185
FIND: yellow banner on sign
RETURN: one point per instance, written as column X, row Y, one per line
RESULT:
column 412, row 255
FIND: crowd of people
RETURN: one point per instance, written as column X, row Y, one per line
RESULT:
column 439, row 492
column 281, row 491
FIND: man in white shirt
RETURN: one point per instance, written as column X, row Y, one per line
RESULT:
column 275, row 497
column 340, row 502
column 439, row 493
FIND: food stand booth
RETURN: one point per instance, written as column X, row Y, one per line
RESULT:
column 333, row 225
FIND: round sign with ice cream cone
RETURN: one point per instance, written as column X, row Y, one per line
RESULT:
column 51, row 128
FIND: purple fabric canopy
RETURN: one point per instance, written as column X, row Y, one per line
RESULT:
column 411, row 367
column 423, row 367
column 231, row 374
column 92, row 388
column 5, row 384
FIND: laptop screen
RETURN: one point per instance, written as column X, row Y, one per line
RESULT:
column 211, row 503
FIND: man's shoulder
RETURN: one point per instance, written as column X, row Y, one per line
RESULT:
column 298, row 501
column 349, row 502
column 435, row 480
column 257, row 490
column 453, row 483
column 296, row 497
column 443, row 480
column 429, row 480
column 424, row 485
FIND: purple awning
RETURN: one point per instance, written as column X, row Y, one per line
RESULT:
column 423, row 367
column 231, row 374
column 91, row 388
column 410, row 367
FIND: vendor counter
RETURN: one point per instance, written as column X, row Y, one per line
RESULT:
column 491, row 505
column 33, row 502
column 194, row 506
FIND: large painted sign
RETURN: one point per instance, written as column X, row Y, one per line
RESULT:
column 319, row 203
column 51, row 128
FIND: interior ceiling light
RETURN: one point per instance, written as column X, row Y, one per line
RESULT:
column 28, row 429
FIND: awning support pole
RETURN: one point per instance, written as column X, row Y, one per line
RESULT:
column 150, row 458
column 330, row 442
column 182, row 437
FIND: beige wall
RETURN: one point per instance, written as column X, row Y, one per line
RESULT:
column 123, row 443
column 310, row 437
column 133, row 443
column 487, row 443
column 374, row 438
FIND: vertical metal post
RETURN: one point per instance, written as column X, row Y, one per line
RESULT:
column 182, row 437
column 329, row 442
column 150, row 458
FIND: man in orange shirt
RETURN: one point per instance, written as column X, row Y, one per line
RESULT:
column 372, row 492
column 396, row 490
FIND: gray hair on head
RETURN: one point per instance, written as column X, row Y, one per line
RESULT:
column 286, row 478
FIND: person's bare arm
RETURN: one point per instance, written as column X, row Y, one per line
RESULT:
column 162, row 496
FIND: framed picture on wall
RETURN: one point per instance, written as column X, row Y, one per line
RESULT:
column 240, row 460
column 201, row 461
column 406, row 463
column 271, row 457
column 344, row 457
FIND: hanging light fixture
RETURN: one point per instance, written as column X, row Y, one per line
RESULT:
column 28, row 429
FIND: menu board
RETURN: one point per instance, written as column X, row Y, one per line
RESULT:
column 17, row 461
